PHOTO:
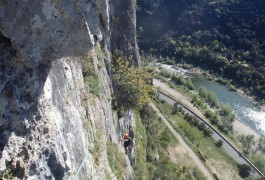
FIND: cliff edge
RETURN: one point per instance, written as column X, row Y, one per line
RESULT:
column 56, row 118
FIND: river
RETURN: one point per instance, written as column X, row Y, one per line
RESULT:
column 245, row 110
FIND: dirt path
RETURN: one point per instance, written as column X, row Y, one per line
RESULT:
column 239, row 127
column 184, row 145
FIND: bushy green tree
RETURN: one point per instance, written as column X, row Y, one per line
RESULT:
column 211, row 99
column 261, row 144
column 165, row 73
column 208, row 96
column 259, row 161
column 225, row 110
column 207, row 132
column 208, row 114
column 247, row 141
column 219, row 143
column 132, row 85
column 227, row 116
column 244, row 170
column 203, row 92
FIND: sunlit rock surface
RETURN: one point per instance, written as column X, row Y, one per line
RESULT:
column 50, row 125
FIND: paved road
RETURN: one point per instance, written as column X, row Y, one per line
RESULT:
column 184, row 145
column 238, row 125
column 229, row 148
column 226, row 146
column 177, row 96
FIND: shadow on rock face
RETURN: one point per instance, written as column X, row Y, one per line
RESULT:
column 20, row 88
column 56, row 168
column 44, row 31
column 33, row 35
column 123, row 25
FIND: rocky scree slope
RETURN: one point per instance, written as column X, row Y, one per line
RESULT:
column 52, row 124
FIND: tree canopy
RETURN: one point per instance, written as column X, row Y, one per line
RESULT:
column 132, row 85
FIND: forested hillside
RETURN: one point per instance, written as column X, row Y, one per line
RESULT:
column 224, row 36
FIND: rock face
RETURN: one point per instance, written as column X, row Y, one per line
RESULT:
column 123, row 23
column 54, row 123
column 51, row 29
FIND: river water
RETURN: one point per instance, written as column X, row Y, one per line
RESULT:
column 245, row 110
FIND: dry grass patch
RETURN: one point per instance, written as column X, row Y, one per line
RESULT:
column 179, row 155
column 223, row 170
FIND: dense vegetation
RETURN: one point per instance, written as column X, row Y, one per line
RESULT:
column 222, row 118
column 133, row 85
column 152, row 161
column 116, row 160
column 225, row 37
column 199, row 137
column 220, row 115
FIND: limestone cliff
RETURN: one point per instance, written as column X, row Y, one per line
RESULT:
column 56, row 119
column 123, row 23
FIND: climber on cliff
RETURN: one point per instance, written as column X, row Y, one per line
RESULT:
column 127, row 142
column 131, row 134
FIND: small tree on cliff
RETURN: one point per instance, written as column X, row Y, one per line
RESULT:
column 132, row 85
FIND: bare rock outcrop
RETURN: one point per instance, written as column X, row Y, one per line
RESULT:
column 123, row 29
column 52, row 125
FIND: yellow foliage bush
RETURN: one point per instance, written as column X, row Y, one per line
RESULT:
column 132, row 85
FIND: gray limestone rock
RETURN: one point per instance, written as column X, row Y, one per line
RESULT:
column 49, row 122
column 46, row 30
column 123, row 29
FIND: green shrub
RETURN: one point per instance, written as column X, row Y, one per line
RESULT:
column 99, row 52
column 190, row 132
column 88, row 66
column 208, row 114
column 201, row 126
column 222, row 81
column 141, row 167
column 178, row 79
column 207, row 132
column 208, row 96
column 165, row 73
column 244, row 170
column 215, row 119
column 222, row 128
column 219, row 143
column 116, row 160
column 93, row 85
column 259, row 161
column 132, row 85
column 8, row 174
column 225, row 110
column 187, row 66
column 203, row 92
column 211, row 99
column 194, row 122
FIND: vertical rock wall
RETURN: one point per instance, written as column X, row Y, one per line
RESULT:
column 52, row 126
column 123, row 28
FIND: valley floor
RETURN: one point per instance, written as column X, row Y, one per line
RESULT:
column 193, row 156
column 239, row 127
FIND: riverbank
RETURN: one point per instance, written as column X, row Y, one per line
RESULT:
column 206, row 74
column 258, row 109
column 239, row 127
